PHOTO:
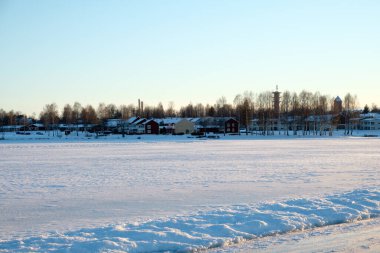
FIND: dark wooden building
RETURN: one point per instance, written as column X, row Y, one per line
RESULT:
column 231, row 126
column 152, row 127
column 226, row 125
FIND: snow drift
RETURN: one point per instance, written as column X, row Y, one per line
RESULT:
column 207, row 229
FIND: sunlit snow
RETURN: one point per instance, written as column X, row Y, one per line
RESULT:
column 181, row 194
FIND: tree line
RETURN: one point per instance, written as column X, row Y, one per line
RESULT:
column 245, row 107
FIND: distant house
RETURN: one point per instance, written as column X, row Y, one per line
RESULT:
column 370, row 124
column 231, row 125
column 113, row 124
column 33, row 127
column 75, row 127
column 132, row 120
column 151, row 127
column 137, row 126
column 176, row 126
column 184, row 126
column 37, row 127
column 196, row 122
column 11, row 128
column 208, row 125
column 319, row 122
column 255, row 125
column 127, row 126
column 218, row 125
column 95, row 128
column 369, row 121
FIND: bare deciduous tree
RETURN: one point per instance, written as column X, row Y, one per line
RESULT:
column 170, row 112
column 265, row 111
column 88, row 116
column 305, row 99
column 244, row 104
column 67, row 114
column 349, row 107
column 158, row 111
column 102, row 112
column 2, row 121
column 77, row 108
column 199, row 110
column 49, row 116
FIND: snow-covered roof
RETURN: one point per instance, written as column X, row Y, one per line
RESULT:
column 12, row 127
column 139, row 121
column 371, row 120
column 194, row 120
column 37, row 124
column 73, row 125
column 132, row 120
column 338, row 99
column 113, row 122
column 170, row 121
column 370, row 115
column 319, row 117
column 149, row 120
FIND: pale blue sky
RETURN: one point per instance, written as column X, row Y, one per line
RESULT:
column 184, row 51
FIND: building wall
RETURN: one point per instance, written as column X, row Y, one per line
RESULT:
column 184, row 126
column 231, row 126
column 152, row 127
column 370, row 124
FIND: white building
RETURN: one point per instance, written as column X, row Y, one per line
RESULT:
column 370, row 121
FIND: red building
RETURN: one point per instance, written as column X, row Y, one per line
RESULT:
column 231, row 126
column 151, row 127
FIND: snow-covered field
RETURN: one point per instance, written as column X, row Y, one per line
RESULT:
column 161, row 193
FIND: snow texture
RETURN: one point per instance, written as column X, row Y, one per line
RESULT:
column 210, row 229
column 179, row 195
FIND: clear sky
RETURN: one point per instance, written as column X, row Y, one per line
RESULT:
column 184, row 51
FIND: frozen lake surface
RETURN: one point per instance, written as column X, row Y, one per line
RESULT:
column 184, row 194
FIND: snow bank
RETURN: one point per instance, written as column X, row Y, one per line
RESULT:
column 210, row 228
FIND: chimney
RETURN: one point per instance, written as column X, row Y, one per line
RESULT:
column 139, row 107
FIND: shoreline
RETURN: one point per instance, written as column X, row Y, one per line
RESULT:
column 12, row 137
